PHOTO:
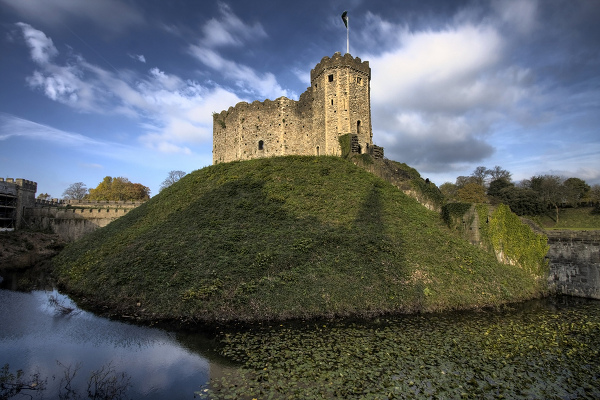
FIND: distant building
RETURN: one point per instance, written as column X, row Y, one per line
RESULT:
column 337, row 103
column 15, row 196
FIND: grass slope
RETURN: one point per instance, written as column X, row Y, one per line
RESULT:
column 288, row 237
column 581, row 218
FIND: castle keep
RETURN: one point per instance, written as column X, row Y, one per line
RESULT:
column 338, row 102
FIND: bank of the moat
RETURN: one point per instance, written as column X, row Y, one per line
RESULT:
column 288, row 238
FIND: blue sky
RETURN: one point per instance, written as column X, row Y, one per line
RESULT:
column 127, row 87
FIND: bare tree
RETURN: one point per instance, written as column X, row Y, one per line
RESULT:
column 480, row 175
column 173, row 177
column 498, row 173
column 75, row 191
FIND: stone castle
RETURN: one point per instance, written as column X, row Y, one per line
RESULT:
column 338, row 102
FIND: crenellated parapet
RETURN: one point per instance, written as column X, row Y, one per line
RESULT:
column 15, row 196
column 338, row 61
column 23, row 184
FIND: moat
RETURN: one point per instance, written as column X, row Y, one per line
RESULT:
column 539, row 349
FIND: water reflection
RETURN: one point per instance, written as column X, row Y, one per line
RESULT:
column 528, row 350
column 33, row 336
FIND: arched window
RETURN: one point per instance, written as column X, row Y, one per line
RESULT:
column 358, row 127
column 260, row 144
column 317, row 150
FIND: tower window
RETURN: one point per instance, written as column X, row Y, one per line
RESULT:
column 331, row 101
column 261, row 145
column 330, row 78
column 358, row 127
column 359, row 80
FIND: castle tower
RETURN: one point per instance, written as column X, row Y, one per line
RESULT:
column 338, row 102
column 342, row 102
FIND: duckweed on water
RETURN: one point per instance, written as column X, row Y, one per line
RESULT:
column 545, row 353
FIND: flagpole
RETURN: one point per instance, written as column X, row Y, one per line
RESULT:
column 348, row 35
column 345, row 19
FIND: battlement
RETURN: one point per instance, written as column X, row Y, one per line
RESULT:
column 23, row 183
column 340, row 61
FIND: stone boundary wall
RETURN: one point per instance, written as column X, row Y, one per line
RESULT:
column 88, row 203
column 72, row 223
column 575, row 262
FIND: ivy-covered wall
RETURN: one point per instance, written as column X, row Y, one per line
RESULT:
column 501, row 231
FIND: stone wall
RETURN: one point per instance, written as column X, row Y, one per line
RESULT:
column 575, row 262
column 336, row 103
column 72, row 223
column 15, row 196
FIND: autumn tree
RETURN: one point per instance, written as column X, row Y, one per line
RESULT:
column 173, row 177
column 472, row 193
column 118, row 189
column 43, row 196
column 75, row 191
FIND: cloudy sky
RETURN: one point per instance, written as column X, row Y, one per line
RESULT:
column 127, row 87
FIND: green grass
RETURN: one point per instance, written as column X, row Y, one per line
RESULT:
column 279, row 238
column 581, row 218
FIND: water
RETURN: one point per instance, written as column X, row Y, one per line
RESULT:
column 539, row 349
column 34, row 336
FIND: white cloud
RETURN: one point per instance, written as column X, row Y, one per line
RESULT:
column 138, row 57
column 244, row 77
column 438, row 94
column 230, row 30
column 11, row 126
column 172, row 112
column 42, row 48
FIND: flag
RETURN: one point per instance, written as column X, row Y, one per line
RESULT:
column 345, row 18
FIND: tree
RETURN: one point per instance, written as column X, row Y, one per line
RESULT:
column 449, row 190
column 119, row 189
column 173, row 177
column 595, row 194
column 461, row 181
column 522, row 201
column 576, row 191
column 472, row 193
column 498, row 173
column 43, row 196
column 550, row 188
column 497, row 185
column 480, row 175
column 75, row 191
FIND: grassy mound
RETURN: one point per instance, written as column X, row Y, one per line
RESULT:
column 287, row 237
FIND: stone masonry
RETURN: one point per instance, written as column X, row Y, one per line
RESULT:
column 337, row 103
column 16, row 195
